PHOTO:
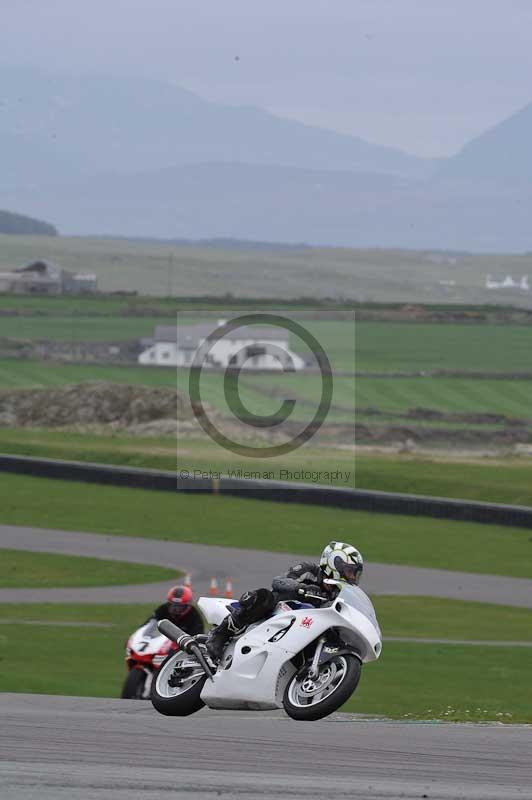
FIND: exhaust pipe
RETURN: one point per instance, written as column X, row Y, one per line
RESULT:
column 185, row 642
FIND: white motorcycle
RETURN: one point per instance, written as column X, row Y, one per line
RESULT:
column 304, row 659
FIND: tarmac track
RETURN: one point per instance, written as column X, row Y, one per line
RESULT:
column 54, row 748
column 248, row 569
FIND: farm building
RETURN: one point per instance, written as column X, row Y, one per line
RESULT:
column 247, row 347
column 43, row 277
column 508, row 283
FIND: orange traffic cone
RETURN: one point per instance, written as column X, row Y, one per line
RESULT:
column 213, row 589
column 228, row 588
column 188, row 580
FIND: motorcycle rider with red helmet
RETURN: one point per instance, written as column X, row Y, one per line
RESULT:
column 180, row 610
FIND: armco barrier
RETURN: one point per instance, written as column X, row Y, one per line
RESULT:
column 276, row 491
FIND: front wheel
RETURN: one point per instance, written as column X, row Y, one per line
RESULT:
column 310, row 699
column 176, row 687
column 134, row 684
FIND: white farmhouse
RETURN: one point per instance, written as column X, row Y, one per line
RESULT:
column 251, row 347
column 508, row 283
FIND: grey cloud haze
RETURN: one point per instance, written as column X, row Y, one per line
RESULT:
column 422, row 75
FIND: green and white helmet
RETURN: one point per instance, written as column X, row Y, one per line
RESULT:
column 342, row 562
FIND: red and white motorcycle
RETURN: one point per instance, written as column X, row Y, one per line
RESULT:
column 146, row 649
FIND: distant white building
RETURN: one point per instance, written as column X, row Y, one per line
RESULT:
column 508, row 283
column 252, row 347
column 43, row 277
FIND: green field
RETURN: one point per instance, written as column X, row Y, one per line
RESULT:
column 512, row 398
column 133, row 304
column 80, row 328
column 99, row 305
column 163, row 268
column 398, row 396
column 290, row 528
column 377, row 349
column 417, row 346
column 19, row 374
column 497, row 480
column 409, row 681
column 391, row 396
column 22, row 569
column 362, row 346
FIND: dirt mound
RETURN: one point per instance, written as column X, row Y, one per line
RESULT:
column 421, row 414
column 95, row 403
column 412, row 437
column 103, row 407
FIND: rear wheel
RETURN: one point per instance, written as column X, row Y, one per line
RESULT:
column 308, row 698
column 176, row 687
column 134, row 684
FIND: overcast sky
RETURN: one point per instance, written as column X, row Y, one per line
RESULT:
column 424, row 75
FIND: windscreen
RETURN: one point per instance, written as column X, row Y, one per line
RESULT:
column 355, row 597
column 151, row 631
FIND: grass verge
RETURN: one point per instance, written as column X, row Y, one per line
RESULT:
column 73, row 661
column 433, row 617
column 22, row 569
column 291, row 528
column 448, row 682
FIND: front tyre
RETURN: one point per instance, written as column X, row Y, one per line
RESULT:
column 176, row 687
column 310, row 699
column 133, row 688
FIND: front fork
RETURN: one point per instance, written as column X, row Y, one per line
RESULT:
column 314, row 669
column 147, row 684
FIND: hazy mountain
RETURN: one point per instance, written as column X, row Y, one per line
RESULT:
column 25, row 164
column 141, row 158
column 92, row 124
column 19, row 224
column 503, row 152
column 269, row 203
column 286, row 204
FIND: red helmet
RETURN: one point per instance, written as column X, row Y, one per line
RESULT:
column 180, row 595
column 179, row 602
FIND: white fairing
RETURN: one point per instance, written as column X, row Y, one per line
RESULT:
column 257, row 666
column 214, row 609
column 147, row 639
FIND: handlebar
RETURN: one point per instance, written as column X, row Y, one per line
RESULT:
column 309, row 596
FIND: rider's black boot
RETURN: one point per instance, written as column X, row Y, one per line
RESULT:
column 220, row 635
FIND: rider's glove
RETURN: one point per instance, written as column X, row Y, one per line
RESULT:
column 312, row 591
